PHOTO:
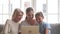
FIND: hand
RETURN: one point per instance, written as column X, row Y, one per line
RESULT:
column 19, row 33
column 32, row 22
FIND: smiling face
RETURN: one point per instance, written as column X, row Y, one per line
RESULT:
column 39, row 19
column 30, row 15
column 17, row 15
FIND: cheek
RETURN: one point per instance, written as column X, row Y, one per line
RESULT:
column 39, row 19
column 18, row 18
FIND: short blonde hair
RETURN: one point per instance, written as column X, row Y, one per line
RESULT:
column 16, row 11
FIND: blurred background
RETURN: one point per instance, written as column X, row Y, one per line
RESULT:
column 50, row 9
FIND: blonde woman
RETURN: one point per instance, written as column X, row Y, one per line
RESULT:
column 11, row 26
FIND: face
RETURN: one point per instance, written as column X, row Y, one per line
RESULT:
column 30, row 15
column 18, row 16
column 39, row 19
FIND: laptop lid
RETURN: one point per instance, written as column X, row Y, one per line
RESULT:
column 29, row 29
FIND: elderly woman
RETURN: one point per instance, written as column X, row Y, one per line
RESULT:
column 11, row 26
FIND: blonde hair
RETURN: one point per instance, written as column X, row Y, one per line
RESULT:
column 16, row 11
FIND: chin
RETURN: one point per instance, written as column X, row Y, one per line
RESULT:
column 18, row 20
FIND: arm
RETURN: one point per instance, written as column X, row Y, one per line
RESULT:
column 48, row 27
column 46, row 31
column 7, row 28
column 19, row 29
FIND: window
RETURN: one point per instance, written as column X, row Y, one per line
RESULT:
column 59, row 9
column 0, row 8
column 4, row 18
column 49, row 9
column 52, row 11
column 39, row 5
column 0, row 19
column 53, row 19
column 4, row 11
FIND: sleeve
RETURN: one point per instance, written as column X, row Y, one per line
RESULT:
column 23, row 23
column 19, row 28
column 48, row 26
column 6, row 28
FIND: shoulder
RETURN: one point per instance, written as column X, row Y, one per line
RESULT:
column 36, row 22
column 44, row 24
column 8, row 21
column 47, row 25
column 23, row 22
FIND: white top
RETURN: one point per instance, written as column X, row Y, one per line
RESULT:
column 11, row 27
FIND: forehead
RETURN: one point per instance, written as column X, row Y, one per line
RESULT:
column 39, row 17
column 30, row 12
column 20, row 13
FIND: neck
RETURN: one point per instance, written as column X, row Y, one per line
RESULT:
column 30, row 21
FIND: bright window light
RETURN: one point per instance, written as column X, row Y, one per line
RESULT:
column 52, row 11
column 52, row 6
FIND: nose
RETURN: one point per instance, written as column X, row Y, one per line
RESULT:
column 20, row 17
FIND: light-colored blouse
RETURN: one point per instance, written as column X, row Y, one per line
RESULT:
column 11, row 27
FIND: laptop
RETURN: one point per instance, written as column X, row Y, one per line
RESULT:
column 29, row 29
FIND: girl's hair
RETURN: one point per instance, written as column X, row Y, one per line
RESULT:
column 29, row 9
column 39, row 14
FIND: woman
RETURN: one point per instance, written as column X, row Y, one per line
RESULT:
column 29, row 17
column 11, row 26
